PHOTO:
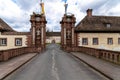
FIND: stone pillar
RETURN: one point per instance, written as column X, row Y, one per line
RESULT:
column 67, row 33
column 38, row 30
column 33, row 35
column 64, row 36
column 73, row 38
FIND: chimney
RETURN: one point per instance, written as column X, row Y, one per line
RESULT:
column 89, row 12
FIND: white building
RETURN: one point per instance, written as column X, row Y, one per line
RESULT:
column 10, row 39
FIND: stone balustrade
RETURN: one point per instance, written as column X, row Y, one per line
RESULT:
column 112, row 56
column 8, row 54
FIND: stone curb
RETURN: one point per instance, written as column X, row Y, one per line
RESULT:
column 17, row 68
column 91, row 66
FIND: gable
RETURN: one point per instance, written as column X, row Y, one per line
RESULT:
column 4, row 26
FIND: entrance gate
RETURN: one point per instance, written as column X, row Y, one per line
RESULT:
column 38, row 30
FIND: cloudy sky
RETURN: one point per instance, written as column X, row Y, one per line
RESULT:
column 17, row 12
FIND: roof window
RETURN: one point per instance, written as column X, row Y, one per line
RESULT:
column 108, row 25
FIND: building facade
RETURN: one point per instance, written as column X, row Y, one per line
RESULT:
column 53, row 37
column 36, row 38
column 101, row 32
column 10, row 39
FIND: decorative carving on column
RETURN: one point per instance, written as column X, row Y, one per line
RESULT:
column 38, row 32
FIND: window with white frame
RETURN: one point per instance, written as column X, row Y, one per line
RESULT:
column 3, row 41
column 18, row 41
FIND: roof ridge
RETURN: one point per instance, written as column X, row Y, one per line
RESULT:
column 5, row 26
column 105, row 16
column 99, row 23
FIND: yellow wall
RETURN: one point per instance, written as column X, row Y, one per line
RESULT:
column 102, row 37
column 11, row 41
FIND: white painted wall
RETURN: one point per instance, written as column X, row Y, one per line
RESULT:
column 11, row 41
column 56, row 38
column 102, row 40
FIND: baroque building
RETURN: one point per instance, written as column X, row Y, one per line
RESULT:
column 99, row 32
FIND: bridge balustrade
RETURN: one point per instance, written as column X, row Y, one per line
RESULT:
column 113, row 56
column 1, row 56
column 8, row 54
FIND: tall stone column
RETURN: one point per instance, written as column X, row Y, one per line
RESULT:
column 38, row 26
column 73, row 39
column 67, row 33
column 33, row 35
column 64, row 36
column 43, row 35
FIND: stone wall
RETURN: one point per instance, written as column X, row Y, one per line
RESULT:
column 8, row 54
column 112, row 56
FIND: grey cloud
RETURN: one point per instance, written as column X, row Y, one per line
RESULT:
column 106, row 7
column 21, row 26
column 94, row 5
column 55, row 15
column 100, row 6
column 56, row 27
column 26, row 4
column 18, row 25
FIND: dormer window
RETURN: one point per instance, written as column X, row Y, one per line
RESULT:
column 108, row 25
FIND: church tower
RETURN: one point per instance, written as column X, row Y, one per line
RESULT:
column 38, row 29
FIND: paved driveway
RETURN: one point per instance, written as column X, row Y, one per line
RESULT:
column 55, row 64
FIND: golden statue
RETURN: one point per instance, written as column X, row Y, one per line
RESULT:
column 42, row 7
